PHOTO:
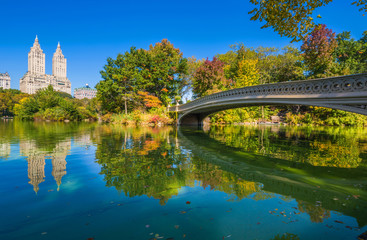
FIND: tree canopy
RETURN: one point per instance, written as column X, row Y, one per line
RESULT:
column 294, row 18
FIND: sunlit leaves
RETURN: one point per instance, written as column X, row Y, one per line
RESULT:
column 292, row 19
column 209, row 78
column 318, row 50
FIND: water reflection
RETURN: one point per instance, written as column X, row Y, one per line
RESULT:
column 147, row 161
column 318, row 146
column 316, row 187
column 39, row 141
column 36, row 159
column 323, row 169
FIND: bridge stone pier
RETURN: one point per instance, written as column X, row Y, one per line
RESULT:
column 348, row 93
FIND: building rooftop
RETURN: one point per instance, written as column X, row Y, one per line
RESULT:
column 4, row 74
column 86, row 87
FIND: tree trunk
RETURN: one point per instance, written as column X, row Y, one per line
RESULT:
column 125, row 106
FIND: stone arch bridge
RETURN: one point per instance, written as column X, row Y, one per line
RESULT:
column 348, row 93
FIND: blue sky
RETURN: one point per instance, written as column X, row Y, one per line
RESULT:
column 90, row 31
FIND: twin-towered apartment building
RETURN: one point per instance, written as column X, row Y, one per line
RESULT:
column 36, row 78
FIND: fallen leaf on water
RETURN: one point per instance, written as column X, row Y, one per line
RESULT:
column 258, row 223
column 90, row 239
column 188, row 202
column 338, row 221
column 363, row 236
column 184, row 235
column 183, row 212
column 177, row 226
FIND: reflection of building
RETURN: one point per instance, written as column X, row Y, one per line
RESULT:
column 83, row 140
column 36, row 77
column 85, row 92
column 36, row 170
column 4, row 80
column 36, row 162
column 4, row 150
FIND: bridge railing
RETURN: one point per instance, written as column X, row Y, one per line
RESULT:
column 341, row 84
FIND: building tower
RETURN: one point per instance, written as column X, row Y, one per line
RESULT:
column 36, row 59
column 59, row 63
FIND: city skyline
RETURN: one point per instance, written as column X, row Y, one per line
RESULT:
column 89, row 33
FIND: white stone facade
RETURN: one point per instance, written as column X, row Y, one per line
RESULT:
column 85, row 92
column 36, row 77
column 4, row 80
column 59, row 63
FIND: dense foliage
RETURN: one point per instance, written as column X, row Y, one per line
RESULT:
column 139, row 85
column 48, row 104
column 158, row 71
column 322, row 55
column 8, row 99
column 292, row 18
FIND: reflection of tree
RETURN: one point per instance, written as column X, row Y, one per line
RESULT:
column 317, row 213
column 39, row 141
column 216, row 179
column 144, row 161
column 328, row 147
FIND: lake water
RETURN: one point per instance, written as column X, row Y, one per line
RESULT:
column 90, row 181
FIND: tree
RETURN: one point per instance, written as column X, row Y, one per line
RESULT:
column 351, row 54
column 209, row 78
column 167, row 71
column 287, row 66
column 158, row 71
column 8, row 99
column 292, row 18
column 318, row 49
column 123, row 77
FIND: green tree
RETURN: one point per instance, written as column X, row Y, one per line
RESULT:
column 292, row 19
column 351, row 54
column 121, row 80
column 167, row 71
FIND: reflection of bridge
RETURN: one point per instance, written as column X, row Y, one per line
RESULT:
column 301, row 181
column 348, row 93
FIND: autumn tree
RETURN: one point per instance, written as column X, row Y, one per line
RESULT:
column 209, row 78
column 292, row 19
column 318, row 49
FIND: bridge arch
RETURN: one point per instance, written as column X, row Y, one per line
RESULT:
column 348, row 93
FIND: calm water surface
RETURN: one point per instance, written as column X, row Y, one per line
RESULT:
column 90, row 181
